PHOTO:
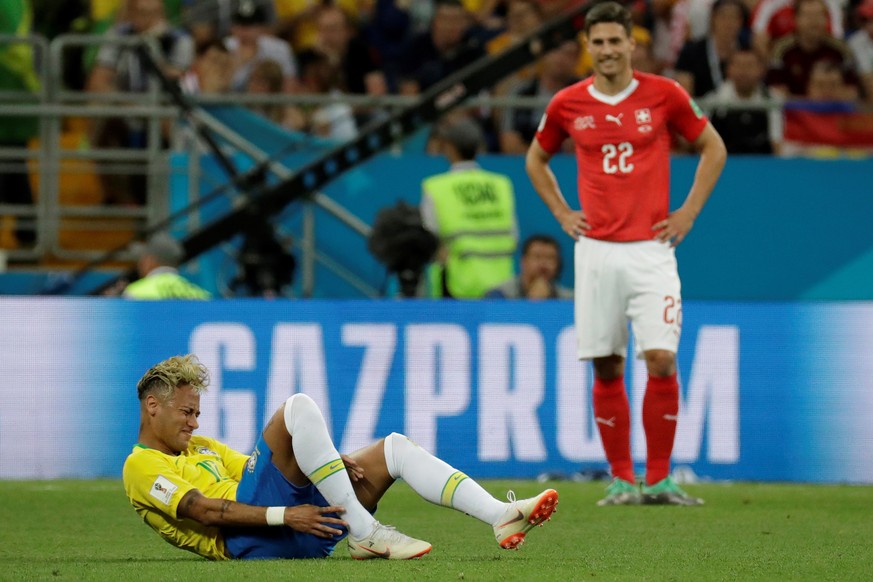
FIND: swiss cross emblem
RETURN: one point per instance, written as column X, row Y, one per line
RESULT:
column 643, row 116
column 586, row 122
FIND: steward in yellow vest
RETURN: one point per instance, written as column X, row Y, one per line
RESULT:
column 472, row 211
column 156, row 263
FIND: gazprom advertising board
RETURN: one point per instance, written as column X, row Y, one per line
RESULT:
column 773, row 392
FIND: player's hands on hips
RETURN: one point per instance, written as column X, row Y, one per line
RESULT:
column 675, row 227
column 574, row 223
column 356, row 473
column 311, row 519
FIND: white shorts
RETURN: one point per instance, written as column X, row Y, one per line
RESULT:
column 617, row 282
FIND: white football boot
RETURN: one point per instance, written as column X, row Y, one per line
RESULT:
column 521, row 516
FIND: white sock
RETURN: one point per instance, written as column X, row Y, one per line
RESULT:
column 437, row 481
column 321, row 463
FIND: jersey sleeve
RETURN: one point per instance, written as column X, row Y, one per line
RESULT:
column 153, row 482
column 234, row 461
column 551, row 133
column 686, row 118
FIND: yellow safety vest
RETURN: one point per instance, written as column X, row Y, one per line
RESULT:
column 475, row 211
column 165, row 286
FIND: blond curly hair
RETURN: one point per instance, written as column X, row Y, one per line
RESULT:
column 163, row 378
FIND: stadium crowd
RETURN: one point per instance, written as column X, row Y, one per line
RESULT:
column 727, row 53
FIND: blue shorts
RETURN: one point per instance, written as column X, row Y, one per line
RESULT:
column 263, row 484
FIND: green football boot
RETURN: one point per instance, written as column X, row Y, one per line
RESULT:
column 667, row 492
column 621, row 492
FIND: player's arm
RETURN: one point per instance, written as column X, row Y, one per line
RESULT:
column 224, row 512
column 546, row 185
column 713, row 155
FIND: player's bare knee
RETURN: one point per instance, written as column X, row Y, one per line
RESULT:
column 660, row 363
column 609, row 367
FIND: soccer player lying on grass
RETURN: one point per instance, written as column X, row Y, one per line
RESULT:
column 284, row 501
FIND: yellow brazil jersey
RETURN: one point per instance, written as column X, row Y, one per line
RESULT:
column 156, row 482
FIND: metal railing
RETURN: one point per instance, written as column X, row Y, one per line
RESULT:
column 69, row 230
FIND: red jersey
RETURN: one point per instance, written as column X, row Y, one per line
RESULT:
column 622, row 150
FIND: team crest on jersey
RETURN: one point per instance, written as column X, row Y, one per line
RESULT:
column 206, row 451
column 586, row 122
column 644, row 120
column 253, row 461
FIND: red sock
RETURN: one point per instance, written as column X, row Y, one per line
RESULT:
column 612, row 415
column 660, row 408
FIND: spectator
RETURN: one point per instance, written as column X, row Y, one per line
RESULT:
column 333, row 119
column 775, row 19
column 861, row 44
column 668, row 22
column 701, row 65
column 350, row 58
column 250, row 43
column 826, row 83
column 17, row 73
column 794, row 55
column 386, row 29
column 267, row 79
column 472, row 212
column 208, row 20
column 298, row 19
column 121, row 69
column 518, row 125
column 817, row 127
column 439, row 52
column 485, row 13
column 540, row 268
column 522, row 16
column 210, row 72
column 642, row 57
column 337, row 37
column 157, row 265
column 755, row 130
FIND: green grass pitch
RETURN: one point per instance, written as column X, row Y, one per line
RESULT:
column 85, row 530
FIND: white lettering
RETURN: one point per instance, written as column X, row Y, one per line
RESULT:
column 577, row 438
column 713, row 391
column 297, row 365
column 229, row 416
column 511, row 388
column 437, row 378
column 637, row 380
column 379, row 342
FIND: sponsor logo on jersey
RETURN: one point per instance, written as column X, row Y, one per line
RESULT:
column 586, row 122
column 162, row 490
column 696, row 108
column 615, row 119
column 206, row 451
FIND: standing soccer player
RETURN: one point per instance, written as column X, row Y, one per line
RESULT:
column 620, row 122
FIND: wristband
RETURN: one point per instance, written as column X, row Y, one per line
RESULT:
column 276, row 515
